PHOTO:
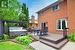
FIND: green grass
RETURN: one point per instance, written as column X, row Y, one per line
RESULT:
column 8, row 45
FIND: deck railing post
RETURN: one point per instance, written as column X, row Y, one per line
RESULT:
column 65, row 32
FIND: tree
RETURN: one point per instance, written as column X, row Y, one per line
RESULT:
column 24, row 16
column 9, row 10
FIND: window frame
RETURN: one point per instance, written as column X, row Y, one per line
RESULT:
column 61, row 23
column 58, row 7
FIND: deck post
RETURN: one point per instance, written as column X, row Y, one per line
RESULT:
column 65, row 32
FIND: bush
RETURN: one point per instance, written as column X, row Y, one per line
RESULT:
column 71, row 36
column 5, row 36
column 29, row 35
column 24, row 39
column 14, row 35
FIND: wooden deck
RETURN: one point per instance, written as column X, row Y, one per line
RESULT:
column 54, row 40
column 53, row 36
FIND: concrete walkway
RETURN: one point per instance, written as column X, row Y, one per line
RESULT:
column 40, row 46
column 69, row 46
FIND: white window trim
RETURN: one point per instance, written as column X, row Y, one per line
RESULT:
column 56, row 9
column 61, row 23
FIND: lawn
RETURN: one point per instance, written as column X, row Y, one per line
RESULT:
column 8, row 45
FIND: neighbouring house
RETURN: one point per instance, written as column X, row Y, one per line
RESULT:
column 58, row 16
column 32, row 22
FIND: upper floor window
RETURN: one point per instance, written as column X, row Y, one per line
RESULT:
column 56, row 7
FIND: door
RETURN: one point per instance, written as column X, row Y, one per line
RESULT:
column 44, row 28
column 43, row 25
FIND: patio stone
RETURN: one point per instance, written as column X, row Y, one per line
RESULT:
column 69, row 46
column 40, row 46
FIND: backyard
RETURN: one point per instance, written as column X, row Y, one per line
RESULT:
column 19, row 32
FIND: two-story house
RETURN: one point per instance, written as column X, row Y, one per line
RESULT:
column 58, row 16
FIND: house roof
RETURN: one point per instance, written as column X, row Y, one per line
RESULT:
column 55, row 3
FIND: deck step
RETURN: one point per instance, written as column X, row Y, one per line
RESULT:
column 57, row 46
column 52, row 40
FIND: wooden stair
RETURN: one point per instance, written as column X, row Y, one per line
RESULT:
column 54, row 43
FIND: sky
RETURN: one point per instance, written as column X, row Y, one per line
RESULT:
column 36, row 5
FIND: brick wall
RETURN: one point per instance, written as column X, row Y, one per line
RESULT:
column 71, row 14
column 49, row 16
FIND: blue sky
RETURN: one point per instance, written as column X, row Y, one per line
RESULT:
column 36, row 5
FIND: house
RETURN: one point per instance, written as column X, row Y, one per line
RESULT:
column 58, row 16
column 32, row 22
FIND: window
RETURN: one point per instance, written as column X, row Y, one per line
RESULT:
column 61, row 24
column 56, row 7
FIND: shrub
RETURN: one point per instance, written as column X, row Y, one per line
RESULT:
column 5, row 36
column 71, row 36
column 24, row 39
column 29, row 35
column 14, row 35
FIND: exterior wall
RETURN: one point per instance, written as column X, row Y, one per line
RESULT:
column 49, row 16
column 71, row 14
